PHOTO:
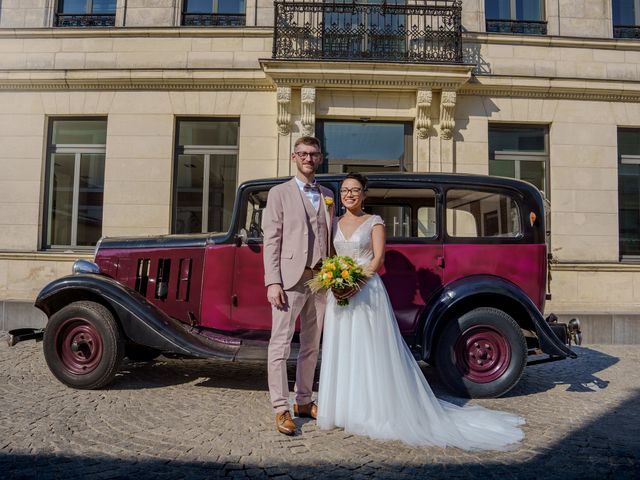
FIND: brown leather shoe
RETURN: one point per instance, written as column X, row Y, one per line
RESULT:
column 307, row 410
column 285, row 424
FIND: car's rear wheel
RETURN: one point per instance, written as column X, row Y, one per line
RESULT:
column 83, row 345
column 481, row 354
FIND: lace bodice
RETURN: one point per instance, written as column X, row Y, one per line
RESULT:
column 359, row 245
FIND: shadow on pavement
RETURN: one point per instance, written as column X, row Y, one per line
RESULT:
column 606, row 448
column 579, row 374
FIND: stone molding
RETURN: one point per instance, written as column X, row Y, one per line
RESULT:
column 554, row 88
column 308, row 120
column 47, row 256
column 366, row 75
column 423, row 113
column 151, row 32
column 550, row 41
column 283, row 119
column 595, row 267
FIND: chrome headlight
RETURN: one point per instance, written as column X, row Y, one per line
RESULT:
column 84, row 266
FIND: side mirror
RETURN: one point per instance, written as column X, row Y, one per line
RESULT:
column 241, row 237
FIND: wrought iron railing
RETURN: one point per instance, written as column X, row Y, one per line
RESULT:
column 213, row 20
column 82, row 20
column 626, row 31
column 526, row 27
column 427, row 31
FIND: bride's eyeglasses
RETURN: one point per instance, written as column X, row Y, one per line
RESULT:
column 355, row 191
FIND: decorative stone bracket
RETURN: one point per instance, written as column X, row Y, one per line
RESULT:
column 284, row 115
column 308, row 95
column 447, row 118
column 423, row 113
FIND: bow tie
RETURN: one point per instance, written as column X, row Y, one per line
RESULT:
column 311, row 187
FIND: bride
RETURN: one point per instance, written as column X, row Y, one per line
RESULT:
column 370, row 383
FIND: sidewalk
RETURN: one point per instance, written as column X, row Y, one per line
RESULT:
column 197, row 419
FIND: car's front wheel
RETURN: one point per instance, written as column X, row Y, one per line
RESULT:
column 481, row 354
column 83, row 345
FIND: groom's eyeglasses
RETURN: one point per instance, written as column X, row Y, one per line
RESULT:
column 353, row 191
column 303, row 155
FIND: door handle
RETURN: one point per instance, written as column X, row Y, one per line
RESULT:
column 440, row 261
column 234, row 300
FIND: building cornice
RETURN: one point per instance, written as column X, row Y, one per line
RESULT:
column 551, row 41
column 552, row 88
column 366, row 75
column 126, row 79
column 124, row 32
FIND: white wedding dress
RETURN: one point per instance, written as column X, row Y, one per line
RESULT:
column 370, row 384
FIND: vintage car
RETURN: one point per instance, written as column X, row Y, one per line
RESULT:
column 466, row 270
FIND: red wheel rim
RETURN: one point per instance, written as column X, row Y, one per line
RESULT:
column 482, row 354
column 79, row 346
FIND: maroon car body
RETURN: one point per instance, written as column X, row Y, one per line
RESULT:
column 465, row 268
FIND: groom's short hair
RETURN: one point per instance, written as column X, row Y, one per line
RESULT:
column 308, row 140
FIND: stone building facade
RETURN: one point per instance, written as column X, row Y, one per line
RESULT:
column 116, row 97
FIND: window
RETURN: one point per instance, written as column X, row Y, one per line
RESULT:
column 75, row 182
column 626, row 18
column 407, row 212
column 86, row 13
column 365, row 146
column 213, row 13
column 375, row 29
column 206, row 162
column 474, row 214
column 519, row 151
column 515, row 16
column 629, row 192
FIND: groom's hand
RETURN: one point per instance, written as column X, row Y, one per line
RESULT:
column 276, row 296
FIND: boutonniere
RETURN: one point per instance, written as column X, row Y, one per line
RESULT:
column 328, row 201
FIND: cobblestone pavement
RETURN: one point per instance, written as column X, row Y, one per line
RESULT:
column 197, row 419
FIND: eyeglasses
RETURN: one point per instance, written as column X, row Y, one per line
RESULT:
column 355, row 191
column 303, row 155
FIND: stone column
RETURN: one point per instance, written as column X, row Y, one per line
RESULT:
column 422, row 141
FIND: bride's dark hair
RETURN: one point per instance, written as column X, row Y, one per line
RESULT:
column 358, row 177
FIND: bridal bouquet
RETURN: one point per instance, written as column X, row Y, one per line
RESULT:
column 339, row 274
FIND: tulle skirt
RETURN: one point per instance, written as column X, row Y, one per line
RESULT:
column 371, row 385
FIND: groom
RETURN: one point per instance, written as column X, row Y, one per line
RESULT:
column 296, row 225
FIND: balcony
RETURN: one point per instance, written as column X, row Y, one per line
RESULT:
column 389, row 31
column 213, row 20
column 525, row 27
column 83, row 20
column 626, row 31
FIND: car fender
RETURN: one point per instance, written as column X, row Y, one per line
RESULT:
column 464, row 289
column 140, row 320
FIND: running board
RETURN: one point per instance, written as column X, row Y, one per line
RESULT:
column 21, row 334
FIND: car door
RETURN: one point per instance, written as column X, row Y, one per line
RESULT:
column 413, row 267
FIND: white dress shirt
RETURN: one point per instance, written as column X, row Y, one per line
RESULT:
column 314, row 197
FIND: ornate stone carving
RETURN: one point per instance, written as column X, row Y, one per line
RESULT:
column 284, row 115
column 447, row 119
column 423, row 112
column 308, row 95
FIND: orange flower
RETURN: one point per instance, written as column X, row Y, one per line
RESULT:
column 345, row 274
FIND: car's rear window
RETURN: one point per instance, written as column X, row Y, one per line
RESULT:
column 476, row 214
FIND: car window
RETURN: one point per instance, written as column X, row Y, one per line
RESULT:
column 407, row 212
column 256, row 201
column 472, row 213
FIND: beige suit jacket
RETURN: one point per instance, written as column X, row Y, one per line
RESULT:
column 285, row 233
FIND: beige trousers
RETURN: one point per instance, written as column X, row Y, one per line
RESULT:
column 310, row 307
